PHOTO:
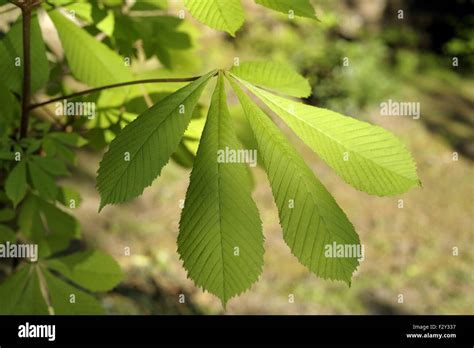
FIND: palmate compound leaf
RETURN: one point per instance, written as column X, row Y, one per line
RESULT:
column 275, row 76
column 312, row 221
column 92, row 270
column 366, row 156
column 301, row 8
column 220, row 239
column 226, row 15
column 139, row 152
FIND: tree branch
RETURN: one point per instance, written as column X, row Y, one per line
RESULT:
column 26, row 7
column 122, row 84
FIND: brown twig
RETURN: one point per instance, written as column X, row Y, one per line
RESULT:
column 122, row 84
column 26, row 7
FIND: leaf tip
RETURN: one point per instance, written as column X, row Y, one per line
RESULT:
column 101, row 205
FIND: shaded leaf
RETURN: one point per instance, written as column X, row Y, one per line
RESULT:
column 97, row 65
column 7, row 234
column 20, row 293
column 51, row 165
column 92, row 270
column 15, row 185
column 61, row 294
column 42, row 181
column 11, row 57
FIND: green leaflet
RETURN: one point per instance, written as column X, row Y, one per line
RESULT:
column 42, row 181
column 367, row 157
column 301, row 8
column 15, row 185
column 50, row 165
column 145, row 5
column 7, row 107
column 61, row 294
column 226, row 15
column 90, row 269
column 6, row 214
column 315, row 221
column 7, row 234
column 219, row 214
column 69, row 197
column 11, row 57
column 71, row 139
column 46, row 225
column 137, row 155
column 90, row 13
column 93, row 270
column 97, row 65
column 21, row 294
column 275, row 76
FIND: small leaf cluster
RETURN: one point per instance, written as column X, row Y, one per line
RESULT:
column 35, row 212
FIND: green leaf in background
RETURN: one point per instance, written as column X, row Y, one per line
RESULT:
column 146, row 5
column 21, row 293
column 7, row 155
column 42, row 181
column 58, row 144
column 309, row 215
column 7, row 214
column 51, row 165
column 11, row 50
column 90, row 13
column 220, row 239
column 46, row 225
column 302, row 8
column 275, row 76
column 60, row 222
column 69, row 300
column 6, row 106
column 70, row 139
column 90, row 269
column 137, row 155
column 367, row 157
column 97, row 65
column 183, row 156
column 7, row 234
column 226, row 15
column 68, row 196
column 15, row 185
